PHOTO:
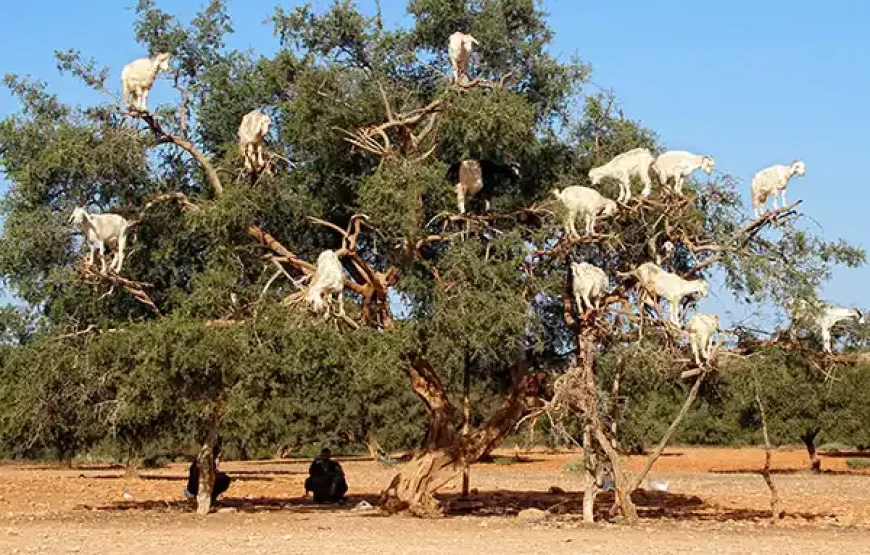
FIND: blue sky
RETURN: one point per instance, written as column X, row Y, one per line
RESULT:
column 752, row 83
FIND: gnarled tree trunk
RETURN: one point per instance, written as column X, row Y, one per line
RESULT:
column 414, row 486
column 206, row 463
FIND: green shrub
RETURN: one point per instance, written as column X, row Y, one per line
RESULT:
column 575, row 466
column 858, row 463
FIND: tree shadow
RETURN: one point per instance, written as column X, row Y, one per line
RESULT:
column 845, row 454
column 499, row 503
column 239, row 504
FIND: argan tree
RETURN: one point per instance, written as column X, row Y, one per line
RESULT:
column 206, row 325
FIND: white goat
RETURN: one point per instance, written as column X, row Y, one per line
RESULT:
column 252, row 130
column 590, row 285
column 636, row 161
column 657, row 283
column 588, row 202
column 677, row 165
column 138, row 77
column 101, row 230
column 824, row 318
column 771, row 181
column 702, row 327
column 459, row 52
column 328, row 280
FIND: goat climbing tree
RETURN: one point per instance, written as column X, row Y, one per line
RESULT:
column 365, row 125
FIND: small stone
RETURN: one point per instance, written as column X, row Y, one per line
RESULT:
column 556, row 490
column 227, row 510
column 531, row 515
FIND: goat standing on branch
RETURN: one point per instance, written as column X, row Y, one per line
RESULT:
column 328, row 280
column 473, row 178
column 657, row 283
column 138, row 77
column 459, row 51
column 824, row 318
column 101, row 230
column 254, row 127
column 585, row 201
column 702, row 328
column 635, row 162
column 590, row 285
column 677, row 165
column 771, row 181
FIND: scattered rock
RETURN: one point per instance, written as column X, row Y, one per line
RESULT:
column 532, row 515
column 556, row 490
column 227, row 510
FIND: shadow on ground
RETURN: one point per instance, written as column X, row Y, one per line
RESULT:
column 650, row 505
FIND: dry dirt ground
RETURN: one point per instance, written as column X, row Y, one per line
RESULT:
column 714, row 503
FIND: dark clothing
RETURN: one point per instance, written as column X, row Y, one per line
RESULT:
column 221, row 482
column 326, row 481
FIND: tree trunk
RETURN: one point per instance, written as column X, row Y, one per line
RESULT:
column 466, row 420
column 414, row 486
column 775, row 511
column 592, row 466
column 206, row 463
column 614, row 410
column 585, row 359
column 809, row 439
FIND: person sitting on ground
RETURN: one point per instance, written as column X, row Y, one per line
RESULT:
column 221, row 479
column 325, row 479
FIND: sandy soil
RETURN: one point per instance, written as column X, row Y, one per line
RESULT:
column 714, row 502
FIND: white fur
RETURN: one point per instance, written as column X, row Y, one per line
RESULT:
column 138, row 77
column 677, row 165
column 459, row 51
column 590, row 285
column 824, row 318
column 657, row 283
column 771, row 181
column 586, row 202
column 635, row 162
column 328, row 279
column 252, row 130
column 702, row 327
column 101, row 230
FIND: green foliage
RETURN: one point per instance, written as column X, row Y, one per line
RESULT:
column 82, row 361
column 575, row 466
column 858, row 463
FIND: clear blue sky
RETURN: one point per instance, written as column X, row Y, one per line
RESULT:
column 752, row 82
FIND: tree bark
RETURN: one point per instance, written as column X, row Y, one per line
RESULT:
column 414, row 486
column 775, row 511
column 809, row 439
column 592, row 466
column 466, row 419
column 206, row 463
column 585, row 360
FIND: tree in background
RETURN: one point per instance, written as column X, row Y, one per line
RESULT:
column 202, row 332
